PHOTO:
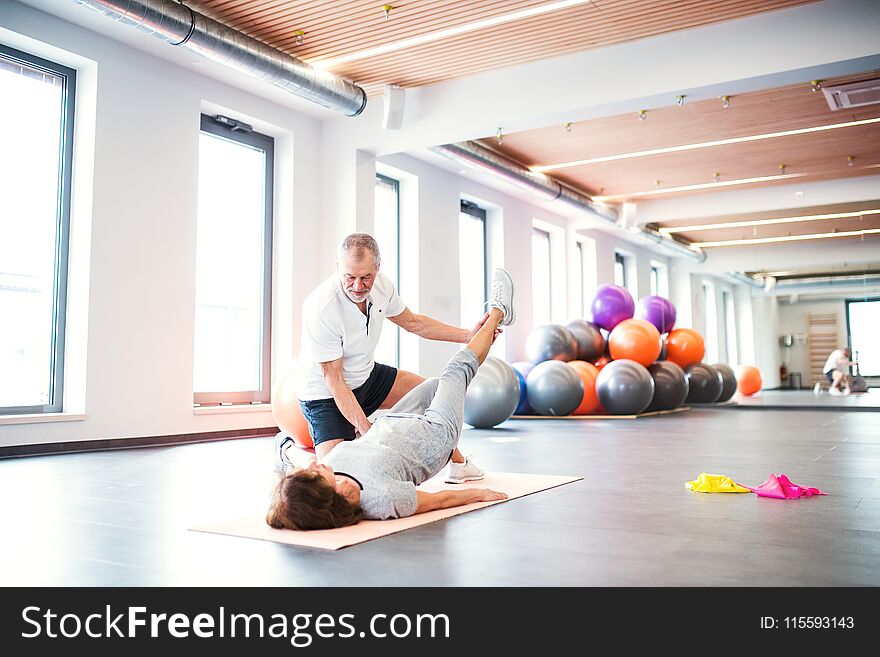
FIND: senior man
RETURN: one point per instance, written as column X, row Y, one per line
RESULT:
column 339, row 383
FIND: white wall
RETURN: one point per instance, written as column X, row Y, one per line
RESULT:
column 136, row 261
column 133, row 241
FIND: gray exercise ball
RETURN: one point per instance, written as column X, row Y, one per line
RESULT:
column 554, row 388
column 704, row 383
column 590, row 343
column 670, row 386
column 728, row 381
column 624, row 387
column 492, row 396
column 551, row 342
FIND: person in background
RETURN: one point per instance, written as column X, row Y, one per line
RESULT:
column 836, row 370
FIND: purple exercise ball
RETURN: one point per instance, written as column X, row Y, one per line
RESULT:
column 611, row 305
column 657, row 310
column 522, row 369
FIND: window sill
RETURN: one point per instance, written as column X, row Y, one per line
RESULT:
column 235, row 408
column 34, row 418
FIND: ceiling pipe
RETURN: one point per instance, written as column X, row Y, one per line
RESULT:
column 745, row 279
column 180, row 25
column 848, row 280
column 546, row 188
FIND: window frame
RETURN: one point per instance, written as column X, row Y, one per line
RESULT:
column 395, row 184
column 847, row 303
column 620, row 259
column 62, row 226
column 474, row 210
column 711, row 338
column 549, row 237
column 234, row 131
column 730, row 340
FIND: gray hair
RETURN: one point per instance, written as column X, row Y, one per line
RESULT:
column 356, row 243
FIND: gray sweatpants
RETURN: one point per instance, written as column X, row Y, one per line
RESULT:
column 442, row 400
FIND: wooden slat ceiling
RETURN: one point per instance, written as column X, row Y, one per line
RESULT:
column 335, row 29
column 807, row 157
column 816, row 155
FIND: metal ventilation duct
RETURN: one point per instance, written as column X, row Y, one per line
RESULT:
column 745, row 279
column 546, row 188
column 848, row 280
column 181, row 26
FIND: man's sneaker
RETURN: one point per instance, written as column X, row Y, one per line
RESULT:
column 834, row 390
column 282, row 463
column 501, row 296
column 462, row 472
column 846, row 391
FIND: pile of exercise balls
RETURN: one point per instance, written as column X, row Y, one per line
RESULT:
column 629, row 358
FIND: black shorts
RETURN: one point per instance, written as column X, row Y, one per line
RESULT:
column 830, row 375
column 326, row 422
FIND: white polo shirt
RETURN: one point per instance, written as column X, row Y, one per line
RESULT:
column 836, row 361
column 333, row 327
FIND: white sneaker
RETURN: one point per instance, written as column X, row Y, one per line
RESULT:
column 846, row 391
column 462, row 472
column 833, row 390
column 282, row 464
column 817, row 388
column 501, row 296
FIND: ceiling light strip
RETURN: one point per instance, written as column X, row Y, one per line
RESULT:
column 767, row 222
column 787, row 238
column 705, row 144
column 689, row 188
column 445, row 34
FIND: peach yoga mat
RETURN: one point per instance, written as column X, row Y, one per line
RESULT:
column 254, row 526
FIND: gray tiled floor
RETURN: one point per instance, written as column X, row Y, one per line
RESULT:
column 121, row 518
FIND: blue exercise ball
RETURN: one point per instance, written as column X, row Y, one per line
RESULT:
column 522, row 369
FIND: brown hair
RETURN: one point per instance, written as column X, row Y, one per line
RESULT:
column 304, row 500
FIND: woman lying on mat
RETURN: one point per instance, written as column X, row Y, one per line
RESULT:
column 375, row 477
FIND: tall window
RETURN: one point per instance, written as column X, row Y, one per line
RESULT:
column 233, row 264
column 472, row 262
column 580, row 280
column 386, row 230
column 620, row 269
column 862, row 320
column 541, row 277
column 36, row 143
column 659, row 279
column 730, row 328
column 711, row 323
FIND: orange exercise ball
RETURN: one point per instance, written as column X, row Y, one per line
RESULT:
column 287, row 412
column 588, row 373
column 748, row 380
column 635, row 339
column 684, row 346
